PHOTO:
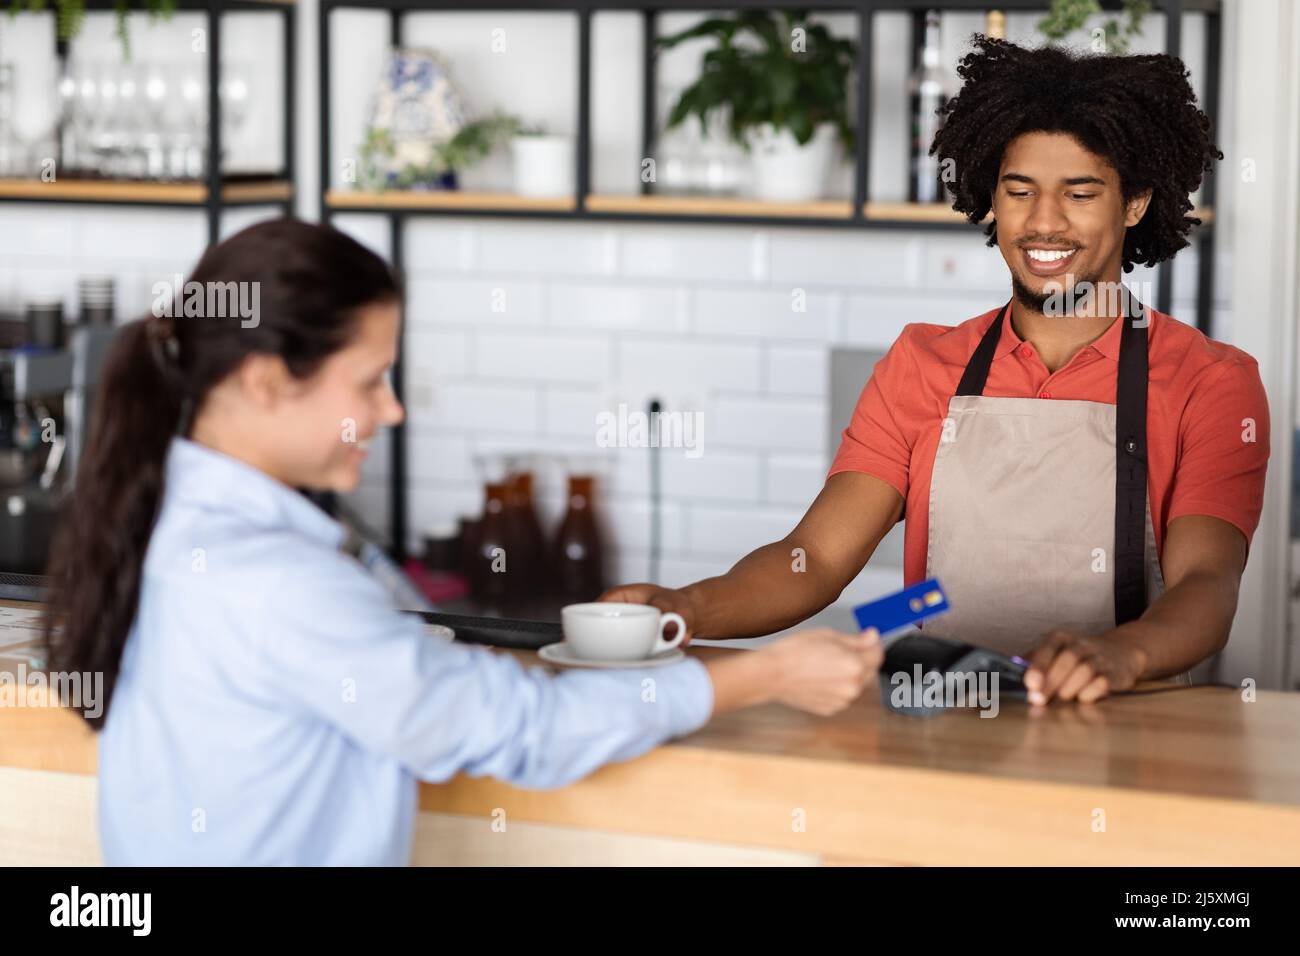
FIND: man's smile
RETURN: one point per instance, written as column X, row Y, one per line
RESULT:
column 1043, row 260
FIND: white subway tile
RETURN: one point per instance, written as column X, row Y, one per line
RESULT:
column 795, row 479
column 466, row 406
column 793, row 313
column 628, row 523
column 440, row 245
column 685, row 367
column 792, row 370
column 875, row 319
column 804, row 258
column 430, row 356
column 572, row 411
column 775, row 424
column 546, row 249
column 735, row 532
column 478, row 301
column 677, row 253
column 144, row 234
column 431, row 505
column 439, row 457
column 964, row 262
column 543, row 358
column 714, row 475
column 616, row 306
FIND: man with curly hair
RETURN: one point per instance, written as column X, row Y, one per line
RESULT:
column 1082, row 473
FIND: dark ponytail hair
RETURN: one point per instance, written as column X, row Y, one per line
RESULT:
column 310, row 282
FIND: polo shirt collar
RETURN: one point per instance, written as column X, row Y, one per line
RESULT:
column 1107, row 344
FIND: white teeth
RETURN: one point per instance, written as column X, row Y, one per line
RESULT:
column 1048, row 255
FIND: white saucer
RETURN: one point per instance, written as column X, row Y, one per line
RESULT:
column 561, row 654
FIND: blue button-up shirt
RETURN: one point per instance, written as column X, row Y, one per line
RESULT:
column 273, row 707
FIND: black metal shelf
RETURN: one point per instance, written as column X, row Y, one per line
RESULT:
column 216, row 192
column 858, row 214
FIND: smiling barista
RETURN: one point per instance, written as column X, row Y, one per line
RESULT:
column 1085, row 486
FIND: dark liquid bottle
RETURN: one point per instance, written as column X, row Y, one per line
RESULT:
column 526, row 532
column 492, row 581
column 577, row 556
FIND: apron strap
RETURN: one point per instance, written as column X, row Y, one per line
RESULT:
column 977, row 369
column 1131, row 465
column 1130, row 449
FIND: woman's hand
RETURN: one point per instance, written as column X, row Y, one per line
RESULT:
column 819, row 671
column 665, row 599
column 823, row 671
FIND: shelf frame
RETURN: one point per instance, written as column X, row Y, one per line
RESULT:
column 215, row 192
column 861, row 212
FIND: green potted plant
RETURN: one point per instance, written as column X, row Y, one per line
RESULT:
column 780, row 82
column 425, row 164
column 1066, row 16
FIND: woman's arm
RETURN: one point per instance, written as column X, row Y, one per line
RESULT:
column 334, row 647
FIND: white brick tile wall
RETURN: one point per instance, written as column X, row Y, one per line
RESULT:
column 618, row 305
column 789, row 424
column 674, row 253
column 436, row 245
column 542, row 358
column 793, row 313
column 684, row 367
column 795, row 370
column 795, row 479
column 467, row 407
column 433, row 301
column 876, row 259
column 736, row 531
column 541, row 249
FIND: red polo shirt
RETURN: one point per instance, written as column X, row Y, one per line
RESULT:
column 1207, row 417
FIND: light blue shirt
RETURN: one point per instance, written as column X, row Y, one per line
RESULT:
column 274, row 708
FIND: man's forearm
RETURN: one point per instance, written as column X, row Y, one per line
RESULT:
column 1185, row 625
column 771, row 588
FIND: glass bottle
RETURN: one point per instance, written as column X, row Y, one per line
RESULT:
column 493, row 549
column 926, row 88
column 527, row 530
column 578, row 551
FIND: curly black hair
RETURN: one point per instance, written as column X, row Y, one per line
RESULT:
column 1138, row 112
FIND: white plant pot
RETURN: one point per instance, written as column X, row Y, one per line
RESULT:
column 784, row 171
column 543, row 166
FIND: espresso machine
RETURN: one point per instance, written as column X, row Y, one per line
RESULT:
column 46, row 396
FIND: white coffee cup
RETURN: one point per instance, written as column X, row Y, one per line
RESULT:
column 607, row 631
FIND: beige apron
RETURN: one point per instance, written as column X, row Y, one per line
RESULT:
column 1038, row 508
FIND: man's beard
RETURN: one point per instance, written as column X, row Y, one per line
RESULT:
column 1057, row 301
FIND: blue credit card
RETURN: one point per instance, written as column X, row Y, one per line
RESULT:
column 903, row 608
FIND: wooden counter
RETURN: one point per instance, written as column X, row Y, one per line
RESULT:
column 1185, row 776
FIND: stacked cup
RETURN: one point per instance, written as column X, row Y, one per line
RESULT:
column 96, row 299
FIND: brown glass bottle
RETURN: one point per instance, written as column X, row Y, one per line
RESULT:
column 526, row 530
column 491, row 580
column 577, row 555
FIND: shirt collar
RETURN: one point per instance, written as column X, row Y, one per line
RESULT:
column 202, row 476
column 1107, row 344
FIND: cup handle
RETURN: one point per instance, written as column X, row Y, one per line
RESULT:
column 663, row 644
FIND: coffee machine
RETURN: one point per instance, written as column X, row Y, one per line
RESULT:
column 46, row 397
